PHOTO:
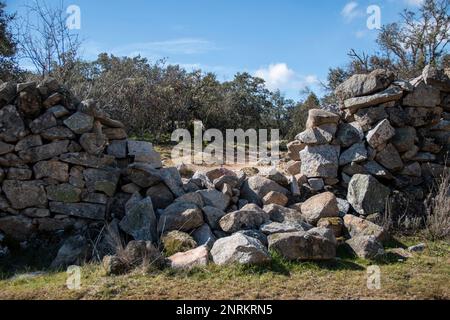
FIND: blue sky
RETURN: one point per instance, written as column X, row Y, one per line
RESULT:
column 290, row 43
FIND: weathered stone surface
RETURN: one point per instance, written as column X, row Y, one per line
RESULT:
column 359, row 227
column 275, row 198
column 204, row 236
column 80, row 122
column 391, row 94
column 81, row 210
column 12, row 128
column 404, row 138
column 366, row 247
column 58, row 111
column 8, row 91
column 367, row 117
column 232, row 181
column 418, row 117
column 28, row 142
column 53, row 100
column 320, row 206
column 57, row 133
column 36, row 213
column 176, row 241
column 367, row 195
column 6, row 148
column 349, row 134
column 320, row 161
column 424, row 96
column 240, row 249
column 160, row 195
column 249, row 217
column 143, row 175
column 294, row 149
column 74, row 251
column 293, row 167
column 213, row 216
column 46, row 121
column 44, row 152
column 18, row 228
column 414, row 170
column 98, row 198
column 29, row 102
column 375, row 169
column 437, row 78
column 316, row 184
column 318, row 117
column 117, row 149
column 140, row 253
column 443, row 125
column 140, row 220
column 255, row 188
column 356, row 153
column 115, row 133
column 113, row 265
column 193, row 197
column 276, row 227
column 182, row 216
column 94, row 143
column 171, row 177
column 102, row 180
column 22, row 173
column 143, row 152
column 336, row 225
column 390, row 158
column 195, row 258
column 303, row 245
column 379, row 135
column 283, row 215
column 214, row 198
column 318, row 135
column 52, row 169
column 63, row 193
column 365, row 84
column 25, row 194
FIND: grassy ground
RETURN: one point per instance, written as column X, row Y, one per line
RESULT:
column 425, row 276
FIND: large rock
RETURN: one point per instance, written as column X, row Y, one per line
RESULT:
column 404, row 139
column 249, row 217
column 275, row 198
column 182, row 216
column 87, row 160
column 418, row 117
column 214, row 198
column 80, row 210
column 46, row 121
column 213, row 216
column 365, row 84
column 256, row 188
column 393, row 93
column 356, row 153
column 195, row 258
column 360, row 227
column 281, row 214
column 424, row 96
column 44, row 152
column 204, row 236
column 7, row 93
column 367, row 195
column 143, row 152
column 102, row 180
column 309, row 245
column 74, row 251
column 320, row 161
column 63, row 193
column 177, row 241
column 276, row 227
column 171, row 177
column 367, row 117
column 80, row 122
column 294, row 149
column 25, row 194
column 318, row 135
column 28, row 142
column 117, row 148
column 140, row 221
column 324, row 205
column 18, row 228
column 52, row 169
column 390, row 158
column 239, row 249
column 161, row 196
column 143, row 175
column 380, row 134
column 318, row 117
column 366, row 247
column 12, row 128
column 436, row 77
column 349, row 134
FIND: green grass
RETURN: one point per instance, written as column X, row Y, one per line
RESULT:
column 425, row 276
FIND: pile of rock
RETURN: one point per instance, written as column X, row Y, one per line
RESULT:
column 388, row 138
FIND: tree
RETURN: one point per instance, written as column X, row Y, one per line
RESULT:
column 45, row 40
column 8, row 66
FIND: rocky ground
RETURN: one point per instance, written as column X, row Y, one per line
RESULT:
column 423, row 276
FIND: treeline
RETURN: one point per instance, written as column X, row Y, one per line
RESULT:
column 154, row 98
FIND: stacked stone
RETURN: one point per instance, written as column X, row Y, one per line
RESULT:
column 389, row 135
column 60, row 161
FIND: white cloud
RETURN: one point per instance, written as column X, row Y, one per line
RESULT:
column 280, row 76
column 351, row 11
column 414, row 3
